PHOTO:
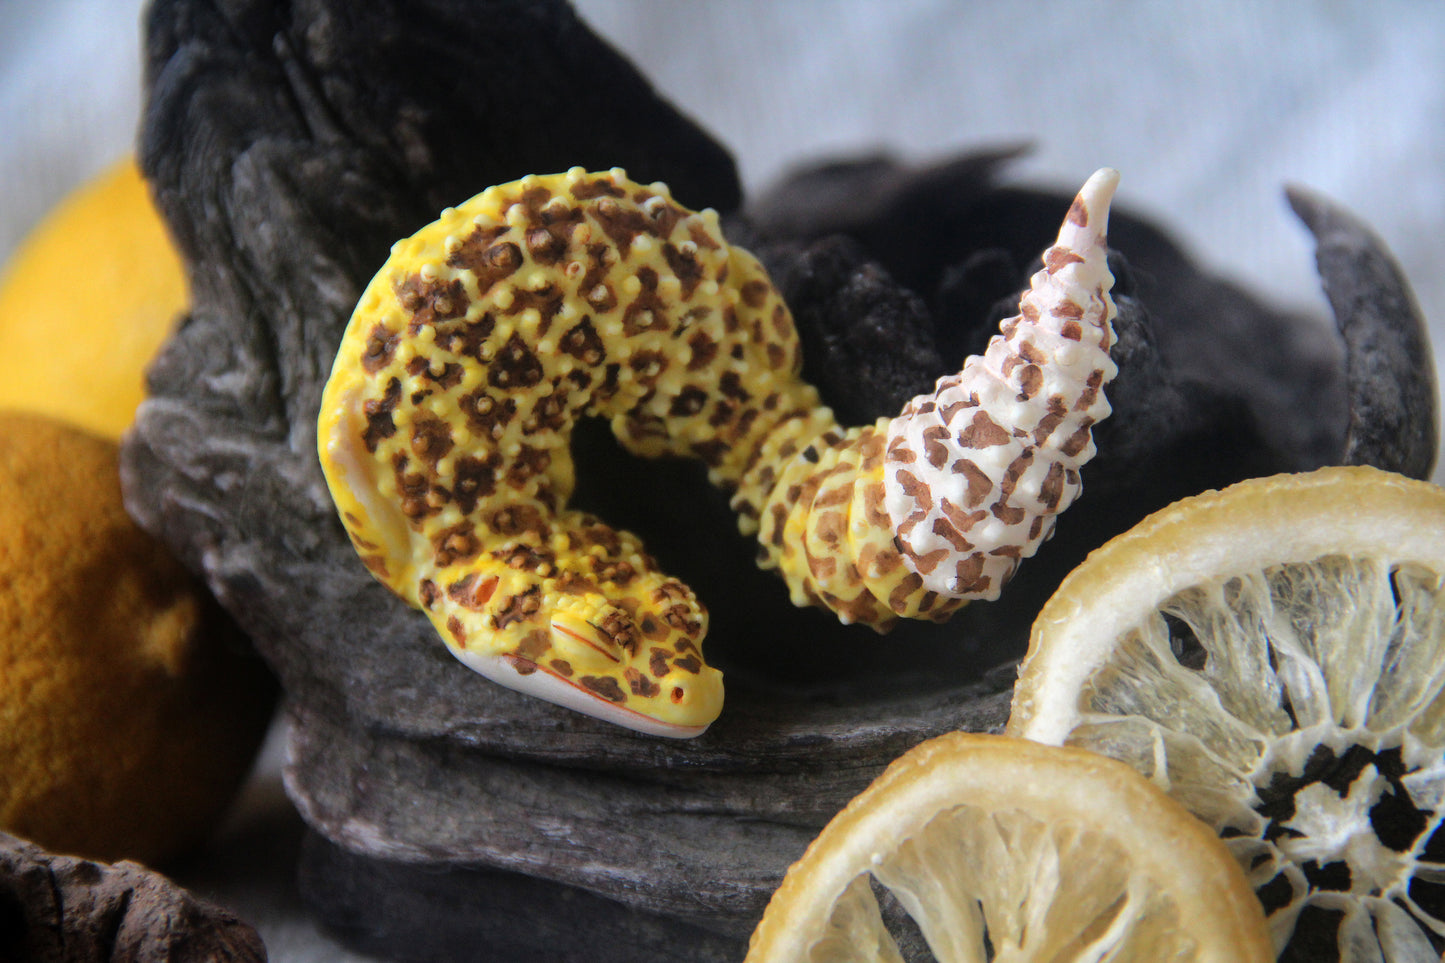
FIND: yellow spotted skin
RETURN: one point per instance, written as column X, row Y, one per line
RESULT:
column 445, row 428
column 825, row 527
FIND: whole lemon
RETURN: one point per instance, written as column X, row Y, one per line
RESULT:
column 130, row 711
column 87, row 301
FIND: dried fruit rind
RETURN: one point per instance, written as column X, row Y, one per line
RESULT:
column 1271, row 655
column 445, row 425
column 1004, row 849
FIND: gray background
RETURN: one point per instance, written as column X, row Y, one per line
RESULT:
column 1207, row 109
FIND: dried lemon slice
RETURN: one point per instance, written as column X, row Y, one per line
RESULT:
column 1273, row 656
column 1006, row 850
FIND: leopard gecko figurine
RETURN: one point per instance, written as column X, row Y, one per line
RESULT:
column 444, row 437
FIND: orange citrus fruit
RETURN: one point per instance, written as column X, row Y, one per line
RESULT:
column 86, row 302
column 128, row 712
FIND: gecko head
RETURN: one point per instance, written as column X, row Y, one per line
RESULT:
column 635, row 660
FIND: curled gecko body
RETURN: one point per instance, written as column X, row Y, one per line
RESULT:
column 445, row 427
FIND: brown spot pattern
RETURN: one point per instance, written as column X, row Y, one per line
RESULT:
column 1007, row 471
column 489, row 263
column 379, row 423
column 515, row 367
column 583, row 343
column 380, row 347
column 430, row 301
column 472, row 590
column 574, row 313
column 982, row 432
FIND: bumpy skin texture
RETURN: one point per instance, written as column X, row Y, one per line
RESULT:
column 982, row 467
column 445, row 427
column 446, row 424
column 914, row 516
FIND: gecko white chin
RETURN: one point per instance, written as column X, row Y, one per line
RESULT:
column 549, row 687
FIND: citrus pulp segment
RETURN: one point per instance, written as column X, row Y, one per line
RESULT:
column 1273, row 656
column 1001, row 849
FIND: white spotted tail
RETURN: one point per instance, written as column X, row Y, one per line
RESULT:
column 978, row 471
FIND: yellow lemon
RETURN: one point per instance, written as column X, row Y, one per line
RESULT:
column 129, row 713
column 1006, row 850
column 1273, row 656
column 86, row 302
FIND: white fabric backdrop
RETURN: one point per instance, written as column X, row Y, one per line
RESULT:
column 1206, row 108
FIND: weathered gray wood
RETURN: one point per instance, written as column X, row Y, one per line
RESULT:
column 289, row 145
column 1390, row 371
column 412, row 913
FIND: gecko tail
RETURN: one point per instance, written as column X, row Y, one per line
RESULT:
column 978, row 471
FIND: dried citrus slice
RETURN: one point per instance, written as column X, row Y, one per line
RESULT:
column 1273, row 655
column 1006, row 850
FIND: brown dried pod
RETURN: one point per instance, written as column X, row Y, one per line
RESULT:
column 68, row 910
